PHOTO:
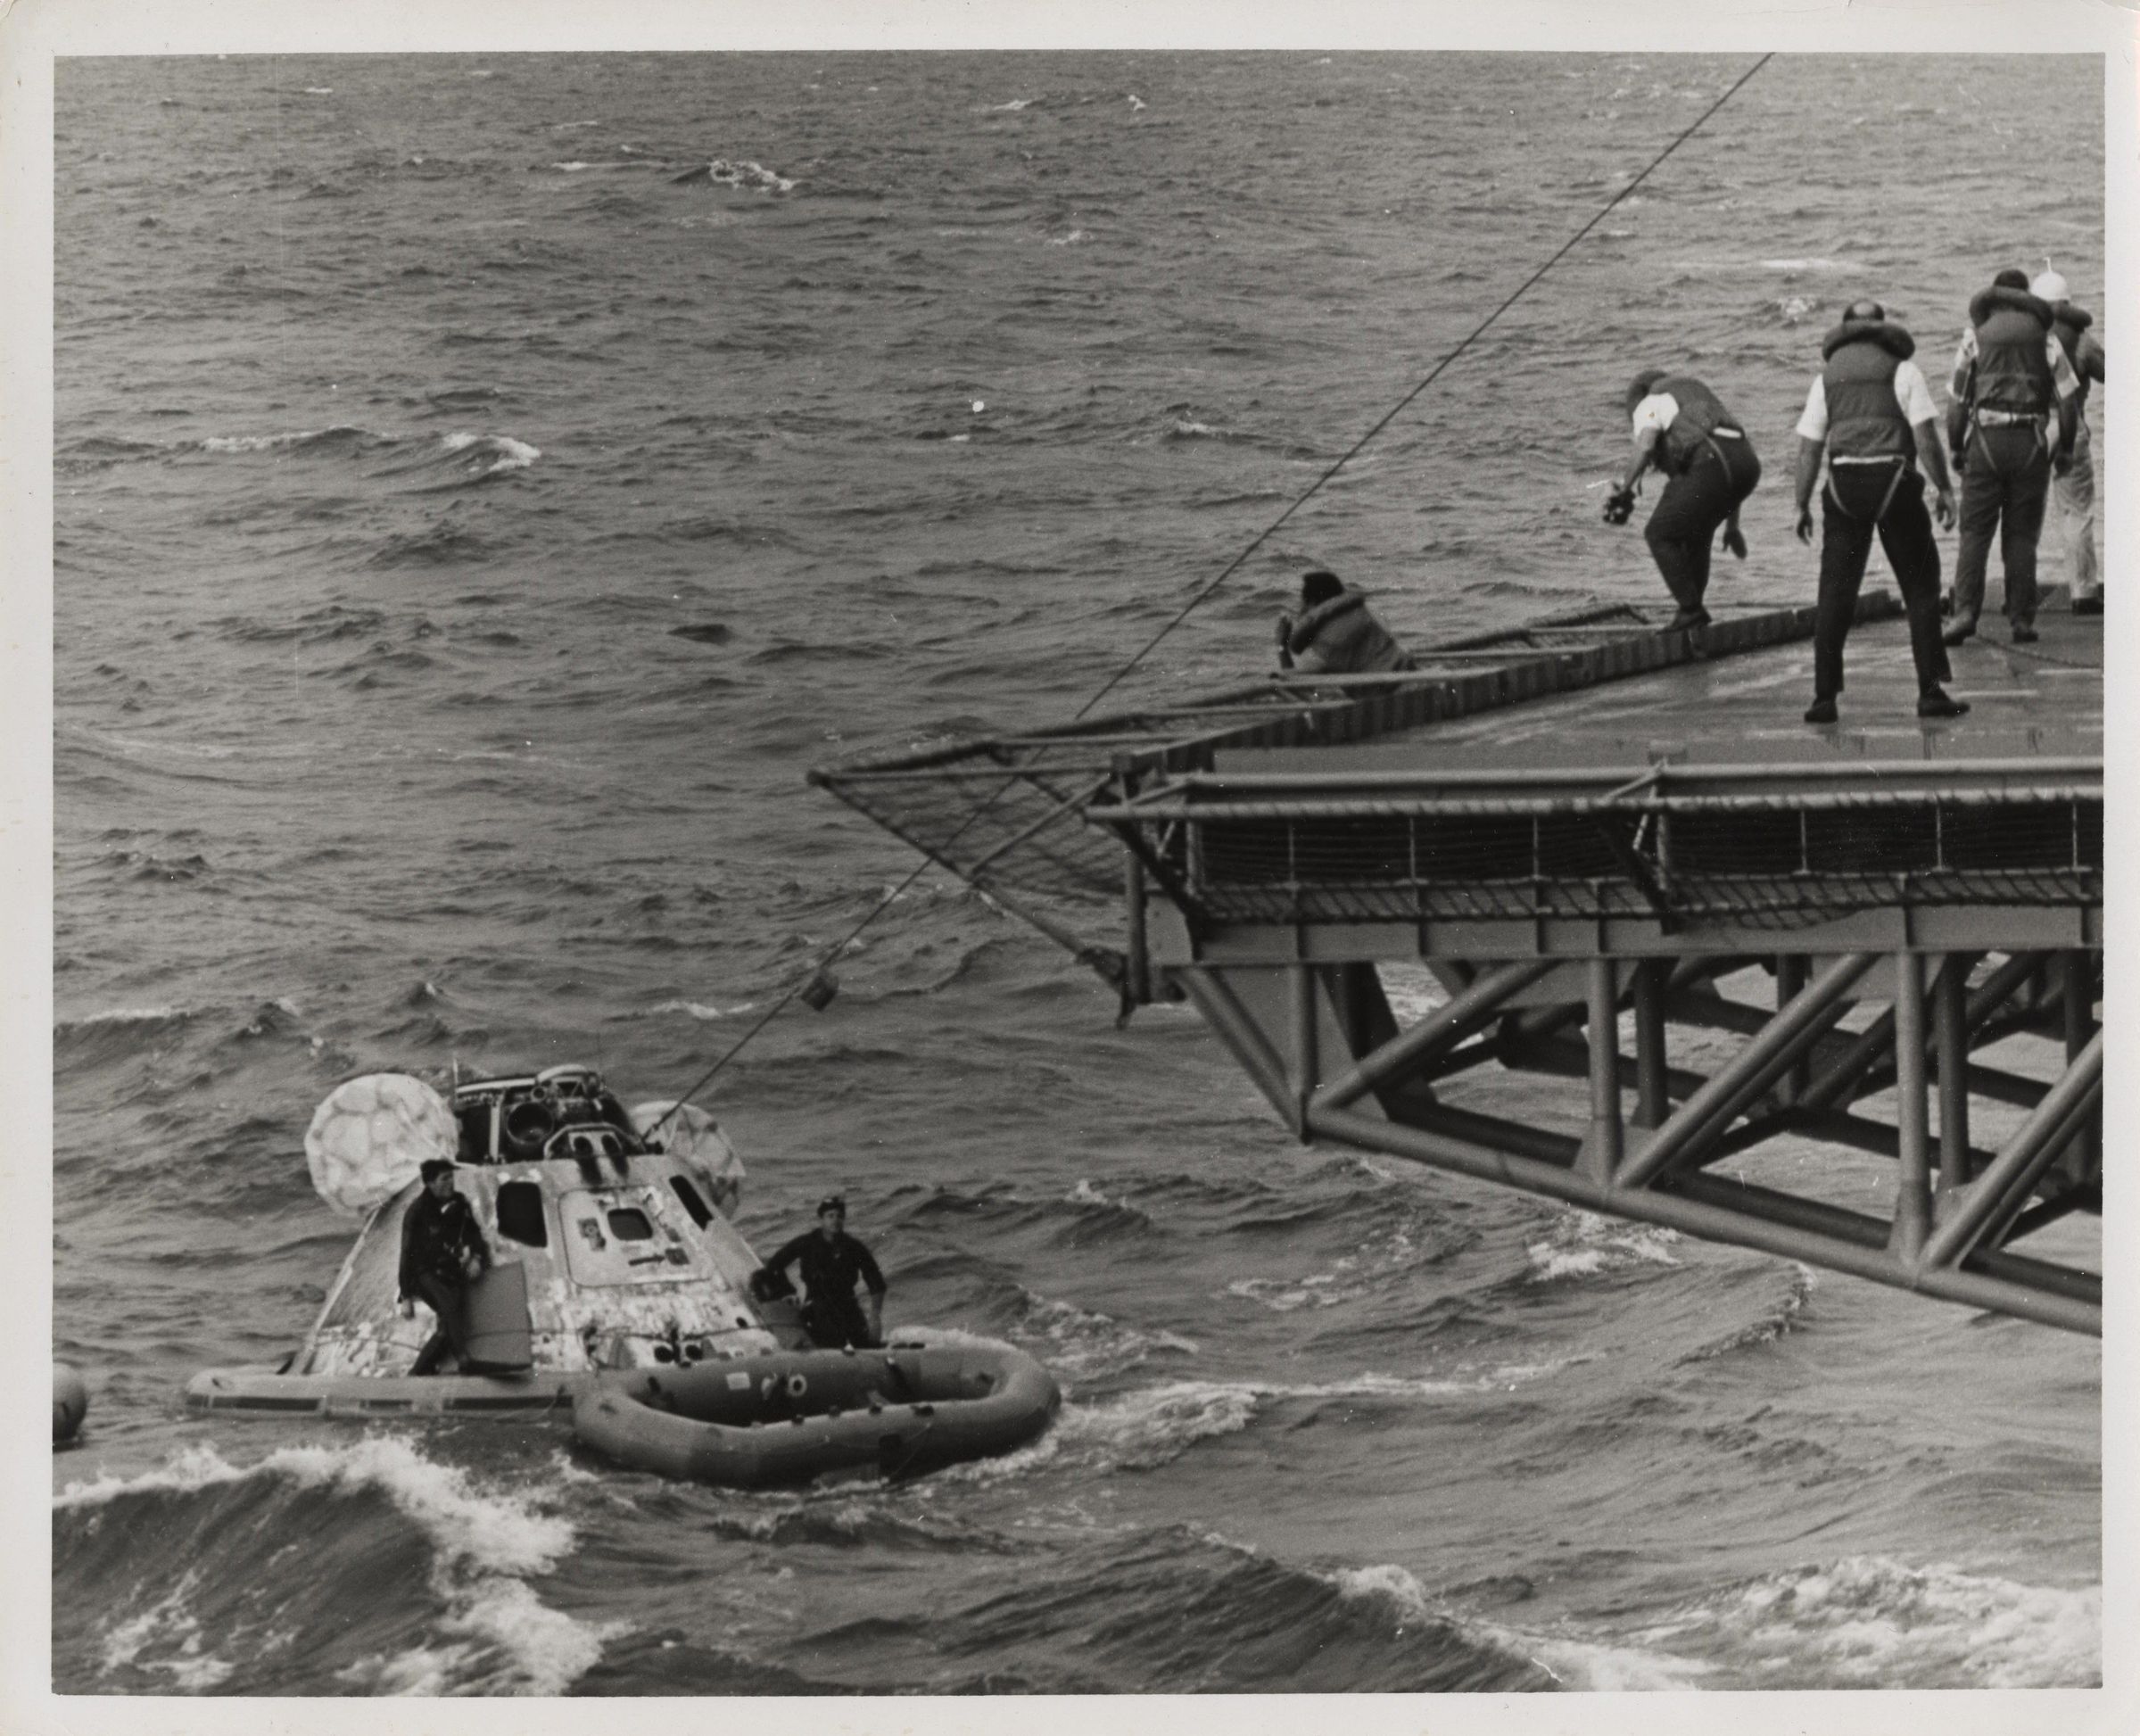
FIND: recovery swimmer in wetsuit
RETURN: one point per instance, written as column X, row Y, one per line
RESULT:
column 832, row 1261
column 442, row 1252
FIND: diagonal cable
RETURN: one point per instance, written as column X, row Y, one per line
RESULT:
column 1233, row 567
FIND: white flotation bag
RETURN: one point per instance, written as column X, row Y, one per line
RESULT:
column 696, row 1138
column 372, row 1135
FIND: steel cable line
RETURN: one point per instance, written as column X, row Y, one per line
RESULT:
column 1232, row 567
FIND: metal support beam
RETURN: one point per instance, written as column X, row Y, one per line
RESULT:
column 2039, row 1178
column 1750, row 1072
column 1950, row 998
column 1241, row 1034
column 1914, row 1172
column 1136, row 988
column 1836, row 1082
column 2085, row 1154
column 1791, row 978
column 1602, row 1147
column 1306, row 1065
column 1708, row 1217
column 2031, row 1147
column 1444, row 1026
column 1653, row 1101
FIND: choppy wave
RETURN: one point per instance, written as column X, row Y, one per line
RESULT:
column 225, row 1604
column 1583, row 1244
column 472, row 456
column 721, row 172
column 1871, row 1620
column 1193, row 1608
column 1578, row 1664
column 1771, row 1324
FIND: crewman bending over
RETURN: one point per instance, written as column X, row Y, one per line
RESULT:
column 1872, row 412
column 832, row 1261
column 442, row 1252
column 1333, row 634
column 1683, row 428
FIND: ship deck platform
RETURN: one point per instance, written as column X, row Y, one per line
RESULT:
column 1594, row 833
column 2041, row 702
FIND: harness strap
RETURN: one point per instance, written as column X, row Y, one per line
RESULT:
column 1902, row 469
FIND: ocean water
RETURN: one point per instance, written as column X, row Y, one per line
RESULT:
column 408, row 407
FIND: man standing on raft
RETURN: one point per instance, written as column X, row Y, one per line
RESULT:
column 1872, row 411
column 1684, row 429
column 832, row 1261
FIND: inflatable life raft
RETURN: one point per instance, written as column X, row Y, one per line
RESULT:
column 791, row 1415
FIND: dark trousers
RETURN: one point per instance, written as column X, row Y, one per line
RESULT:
column 836, row 1322
column 444, row 1297
column 2004, row 487
column 1850, row 512
column 1683, row 524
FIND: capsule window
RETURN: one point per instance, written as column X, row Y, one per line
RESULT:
column 520, row 1213
column 702, row 1214
column 628, row 1223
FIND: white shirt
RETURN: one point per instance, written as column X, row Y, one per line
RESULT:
column 1655, row 414
column 1912, row 394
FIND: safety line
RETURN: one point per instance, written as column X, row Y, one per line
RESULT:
column 826, row 958
column 1232, row 567
column 1404, row 402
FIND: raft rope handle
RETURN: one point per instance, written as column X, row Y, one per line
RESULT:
column 1232, row 567
column 1404, row 402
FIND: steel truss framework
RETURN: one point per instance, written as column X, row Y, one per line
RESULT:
column 1320, row 1041
column 1910, row 914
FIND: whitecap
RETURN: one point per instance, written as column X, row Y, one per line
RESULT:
column 256, row 443
column 1583, row 1243
column 1867, row 1621
column 124, row 1015
column 1013, row 106
column 501, row 452
column 700, row 1009
column 483, row 1544
column 1578, row 1664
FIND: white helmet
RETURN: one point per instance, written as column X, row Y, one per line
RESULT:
column 2049, row 286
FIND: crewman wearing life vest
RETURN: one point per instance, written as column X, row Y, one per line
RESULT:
column 2010, row 379
column 442, row 1253
column 1871, row 411
column 1683, row 428
column 2075, row 490
column 1333, row 634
